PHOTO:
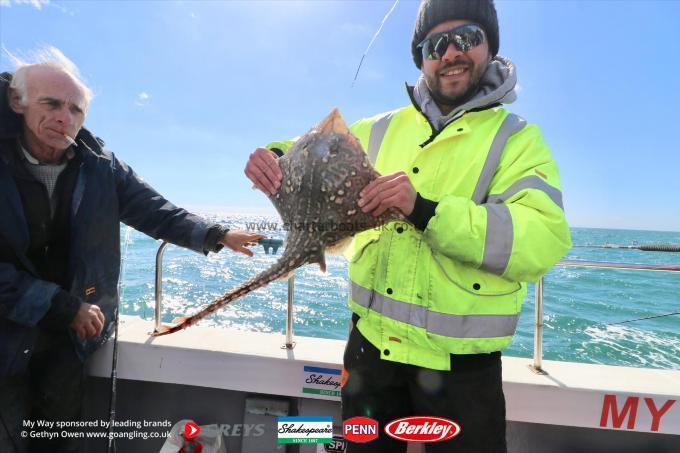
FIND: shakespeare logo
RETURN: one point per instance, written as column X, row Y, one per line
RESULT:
column 305, row 430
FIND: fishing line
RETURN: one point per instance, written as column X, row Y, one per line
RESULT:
column 647, row 317
column 646, row 248
column 373, row 40
column 114, row 361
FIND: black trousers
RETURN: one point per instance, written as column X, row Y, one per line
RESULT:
column 471, row 395
column 52, row 391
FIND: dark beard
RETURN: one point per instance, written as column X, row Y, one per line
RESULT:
column 454, row 101
column 461, row 99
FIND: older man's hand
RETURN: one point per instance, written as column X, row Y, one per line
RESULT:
column 89, row 321
column 263, row 170
column 238, row 240
column 389, row 191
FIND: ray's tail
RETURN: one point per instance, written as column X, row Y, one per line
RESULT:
column 280, row 269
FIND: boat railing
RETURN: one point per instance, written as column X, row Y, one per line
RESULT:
column 268, row 244
column 537, row 365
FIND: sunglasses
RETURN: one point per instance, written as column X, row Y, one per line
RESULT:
column 463, row 38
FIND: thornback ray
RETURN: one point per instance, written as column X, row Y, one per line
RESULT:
column 322, row 175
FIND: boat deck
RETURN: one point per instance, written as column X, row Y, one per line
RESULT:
column 575, row 407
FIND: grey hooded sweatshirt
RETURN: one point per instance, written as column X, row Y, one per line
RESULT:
column 497, row 85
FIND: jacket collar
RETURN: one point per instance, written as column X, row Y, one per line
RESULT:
column 10, row 121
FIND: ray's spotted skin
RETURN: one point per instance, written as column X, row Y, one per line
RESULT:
column 322, row 176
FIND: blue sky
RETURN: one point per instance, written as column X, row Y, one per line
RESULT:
column 185, row 90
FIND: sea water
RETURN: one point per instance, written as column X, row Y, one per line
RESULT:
column 581, row 305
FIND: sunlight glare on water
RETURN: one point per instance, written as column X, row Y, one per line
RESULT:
column 579, row 303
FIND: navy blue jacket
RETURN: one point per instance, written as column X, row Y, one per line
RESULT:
column 106, row 192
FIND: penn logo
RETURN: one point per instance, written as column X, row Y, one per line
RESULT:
column 360, row 429
column 422, row 429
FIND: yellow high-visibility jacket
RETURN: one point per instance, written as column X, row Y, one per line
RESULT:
column 456, row 287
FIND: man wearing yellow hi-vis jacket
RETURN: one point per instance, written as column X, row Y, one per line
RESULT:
column 435, row 301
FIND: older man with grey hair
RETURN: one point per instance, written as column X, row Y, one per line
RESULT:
column 62, row 198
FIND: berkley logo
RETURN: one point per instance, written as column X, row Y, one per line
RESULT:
column 360, row 429
column 422, row 429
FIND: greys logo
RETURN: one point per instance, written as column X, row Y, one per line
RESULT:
column 240, row 429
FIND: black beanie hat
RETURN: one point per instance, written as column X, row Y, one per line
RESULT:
column 434, row 12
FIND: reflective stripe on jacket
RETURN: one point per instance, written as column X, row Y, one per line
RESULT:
column 456, row 287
